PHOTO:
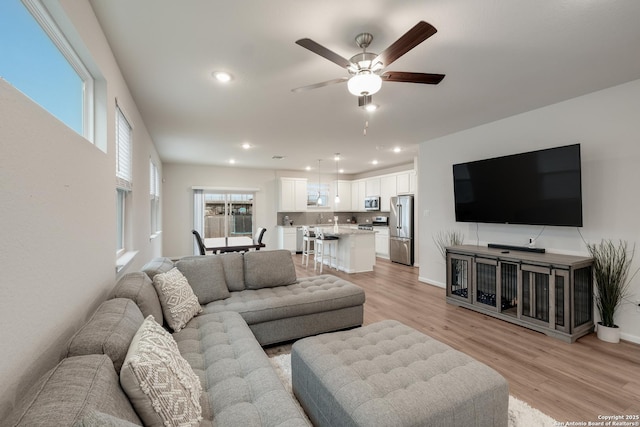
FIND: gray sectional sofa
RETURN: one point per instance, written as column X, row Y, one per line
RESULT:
column 248, row 300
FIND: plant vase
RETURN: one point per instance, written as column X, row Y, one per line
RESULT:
column 608, row 333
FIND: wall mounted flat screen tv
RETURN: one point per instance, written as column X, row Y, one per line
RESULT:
column 541, row 187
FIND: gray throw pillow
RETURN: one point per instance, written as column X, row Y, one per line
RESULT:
column 205, row 275
column 266, row 269
column 109, row 331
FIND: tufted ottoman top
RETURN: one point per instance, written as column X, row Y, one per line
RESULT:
column 388, row 374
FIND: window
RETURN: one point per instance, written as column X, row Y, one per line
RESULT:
column 154, row 195
column 123, row 177
column 38, row 60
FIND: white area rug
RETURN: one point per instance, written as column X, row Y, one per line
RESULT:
column 520, row 413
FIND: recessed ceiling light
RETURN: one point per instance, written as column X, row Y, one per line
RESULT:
column 232, row 161
column 341, row 171
column 246, row 145
column 371, row 107
column 375, row 162
column 308, row 168
column 222, row 76
column 397, row 149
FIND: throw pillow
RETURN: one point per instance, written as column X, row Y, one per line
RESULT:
column 205, row 276
column 160, row 383
column 179, row 304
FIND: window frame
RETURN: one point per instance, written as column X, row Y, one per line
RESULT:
column 154, row 196
column 42, row 16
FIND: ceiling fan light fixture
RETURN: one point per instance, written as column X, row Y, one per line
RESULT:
column 364, row 83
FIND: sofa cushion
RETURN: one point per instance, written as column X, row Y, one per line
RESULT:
column 138, row 287
column 264, row 269
column 179, row 303
column 241, row 388
column 233, row 264
column 109, row 331
column 157, row 266
column 159, row 382
column 77, row 387
column 206, row 277
column 311, row 295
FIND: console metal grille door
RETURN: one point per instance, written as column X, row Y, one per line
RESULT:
column 509, row 288
column 486, row 284
column 560, row 287
column 582, row 296
column 535, row 295
column 460, row 279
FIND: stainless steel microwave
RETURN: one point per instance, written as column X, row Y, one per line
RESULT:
column 372, row 203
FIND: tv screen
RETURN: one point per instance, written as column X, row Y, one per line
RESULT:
column 541, row 187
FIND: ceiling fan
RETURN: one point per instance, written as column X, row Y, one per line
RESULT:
column 367, row 68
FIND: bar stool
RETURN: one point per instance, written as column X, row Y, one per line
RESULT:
column 331, row 242
column 308, row 244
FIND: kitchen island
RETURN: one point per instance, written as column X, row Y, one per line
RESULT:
column 356, row 248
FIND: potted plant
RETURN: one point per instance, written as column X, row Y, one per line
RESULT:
column 611, row 264
column 447, row 238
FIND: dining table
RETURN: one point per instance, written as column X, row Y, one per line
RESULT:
column 231, row 244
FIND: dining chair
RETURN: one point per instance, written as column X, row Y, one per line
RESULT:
column 200, row 242
column 257, row 240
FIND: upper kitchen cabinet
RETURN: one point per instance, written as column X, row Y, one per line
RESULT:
column 344, row 191
column 293, row 195
column 387, row 191
column 358, row 193
column 406, row 182
column 372, row 187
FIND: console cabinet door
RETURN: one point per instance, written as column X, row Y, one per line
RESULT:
column 459, row 276
column 486, row 276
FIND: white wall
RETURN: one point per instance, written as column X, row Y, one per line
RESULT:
column 178, row 201
column 605, row 123
column 57, row 207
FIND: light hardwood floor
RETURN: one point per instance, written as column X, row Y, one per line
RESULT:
column 569, row 382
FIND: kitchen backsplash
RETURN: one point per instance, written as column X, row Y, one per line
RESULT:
column 310, row 218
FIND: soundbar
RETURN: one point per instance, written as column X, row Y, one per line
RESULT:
column 516, row 248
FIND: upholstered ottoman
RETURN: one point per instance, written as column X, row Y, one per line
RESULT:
column 388, row 374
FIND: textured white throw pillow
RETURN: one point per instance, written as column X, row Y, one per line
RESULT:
column 159, row 382
column 179, row 303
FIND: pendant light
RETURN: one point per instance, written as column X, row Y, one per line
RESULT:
column 336, row 158
column 319, row 201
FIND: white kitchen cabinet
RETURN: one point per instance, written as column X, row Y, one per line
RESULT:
column 372, row 187
column 344, row 191
column 293, row 195
column 358, row 190
column 287, row 238
column 387, row 190
column 382, row 242
column 403, row 183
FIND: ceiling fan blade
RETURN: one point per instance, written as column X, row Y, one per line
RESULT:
column 412, row 38
column 324, row 52
column 322, row 84
column 403, row 76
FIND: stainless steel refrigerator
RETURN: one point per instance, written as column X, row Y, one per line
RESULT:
column 401, row 230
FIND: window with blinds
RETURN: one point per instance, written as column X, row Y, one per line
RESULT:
column 123, row 151
column 123, row 179
column 154, row 195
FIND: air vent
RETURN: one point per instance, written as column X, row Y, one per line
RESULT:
column 278, row 157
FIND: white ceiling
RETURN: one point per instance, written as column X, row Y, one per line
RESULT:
column 500, row 57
